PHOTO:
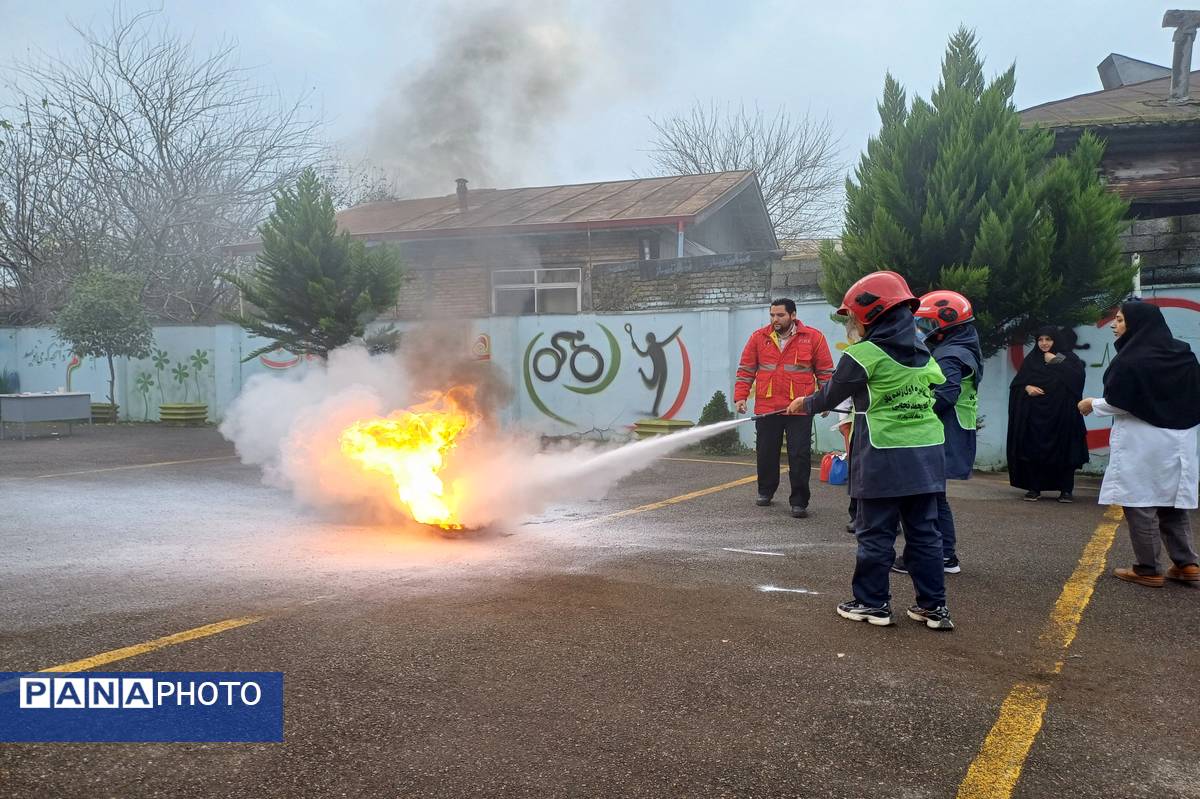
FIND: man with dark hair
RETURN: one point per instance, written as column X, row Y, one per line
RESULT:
column 784, row 361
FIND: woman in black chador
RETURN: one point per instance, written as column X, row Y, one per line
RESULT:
column 1047, row 440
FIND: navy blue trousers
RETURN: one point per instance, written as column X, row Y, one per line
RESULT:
column 946, row 526
column 877, row 525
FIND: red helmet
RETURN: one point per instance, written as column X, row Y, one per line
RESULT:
column 942, row 309
column 873, row 294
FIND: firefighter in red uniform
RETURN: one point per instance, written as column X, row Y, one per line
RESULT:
column 783, row 361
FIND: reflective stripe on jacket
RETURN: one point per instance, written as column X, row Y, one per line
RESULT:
column 781, row 376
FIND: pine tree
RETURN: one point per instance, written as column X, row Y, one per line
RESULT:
column 952, row 194
column 717, row 410
column 314, row 289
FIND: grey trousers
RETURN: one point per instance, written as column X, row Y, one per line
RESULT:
column 1147, row 525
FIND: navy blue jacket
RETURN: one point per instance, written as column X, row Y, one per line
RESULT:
column 959, row 356
column 881, row 473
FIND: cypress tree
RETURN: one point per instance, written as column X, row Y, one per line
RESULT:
column 717, row 410
column 314, row 289
column 953, row 194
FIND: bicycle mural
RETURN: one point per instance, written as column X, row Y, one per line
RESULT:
column 587, row 365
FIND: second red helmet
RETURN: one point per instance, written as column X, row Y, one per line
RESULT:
column 942, row 309
column 874, row 294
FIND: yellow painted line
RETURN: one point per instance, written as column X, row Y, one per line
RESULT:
column 997, row 767
column 676, row 500
column 124, row 468
column 158, row 643
column 1068, row 610
column 994, row 772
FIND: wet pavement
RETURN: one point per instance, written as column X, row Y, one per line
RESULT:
column 592, row 651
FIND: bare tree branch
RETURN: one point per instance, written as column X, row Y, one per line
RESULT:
column 355, row 182
column 796, row 158
column 143, row 156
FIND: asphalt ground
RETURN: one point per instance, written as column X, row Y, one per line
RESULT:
column 622, row 647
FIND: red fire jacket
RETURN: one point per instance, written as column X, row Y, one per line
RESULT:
column 780, row 377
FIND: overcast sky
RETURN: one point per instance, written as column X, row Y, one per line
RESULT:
column 604, row 67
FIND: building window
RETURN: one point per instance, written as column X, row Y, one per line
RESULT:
column 648, row 248
column 530, row 291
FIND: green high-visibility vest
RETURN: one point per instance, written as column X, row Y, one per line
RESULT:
column 900, row 413
column 967, row 407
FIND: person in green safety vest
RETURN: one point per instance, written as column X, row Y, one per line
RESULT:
column 945, row 317
column 897, row 459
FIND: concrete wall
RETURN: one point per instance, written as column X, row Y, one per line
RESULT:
column 603, row 396
column 169, row 375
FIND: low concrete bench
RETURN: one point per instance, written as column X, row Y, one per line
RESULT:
column 22, row 409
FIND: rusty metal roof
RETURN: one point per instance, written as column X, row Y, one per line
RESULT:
column 597, row 206
column 1136, row 104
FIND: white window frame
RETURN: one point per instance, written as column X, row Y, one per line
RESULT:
column 537, row 285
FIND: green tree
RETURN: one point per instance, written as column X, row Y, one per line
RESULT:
column 952, row 194
column 314, row 289
column 717, row 410
column 104, row 318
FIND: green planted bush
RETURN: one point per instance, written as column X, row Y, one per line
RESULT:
column 717, row 410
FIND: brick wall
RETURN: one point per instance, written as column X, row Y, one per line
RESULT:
column 1169, row 248
column 430, row 293
column 700, row 282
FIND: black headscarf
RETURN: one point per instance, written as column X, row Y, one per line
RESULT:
column 1048, row 430
column 1067, row 375
column 1154, row 375
column 895, row 332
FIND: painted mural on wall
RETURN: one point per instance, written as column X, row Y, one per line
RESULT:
column 586, row 363
column 570, row 373
column 481, row 347
column 279, row 358
column 157, row 377
column 583, row 364
column 656, row 381
column 72, row 366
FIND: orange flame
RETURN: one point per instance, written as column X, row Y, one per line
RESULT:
column 411, row 446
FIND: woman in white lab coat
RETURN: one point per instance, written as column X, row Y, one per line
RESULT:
column 1152, row 392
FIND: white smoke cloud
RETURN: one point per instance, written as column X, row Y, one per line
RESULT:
column 290, row 427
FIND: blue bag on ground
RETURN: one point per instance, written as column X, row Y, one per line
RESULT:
column 839, row 470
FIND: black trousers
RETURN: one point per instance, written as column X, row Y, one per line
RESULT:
column 770, row 436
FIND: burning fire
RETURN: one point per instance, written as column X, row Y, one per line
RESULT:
column 411, row 447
